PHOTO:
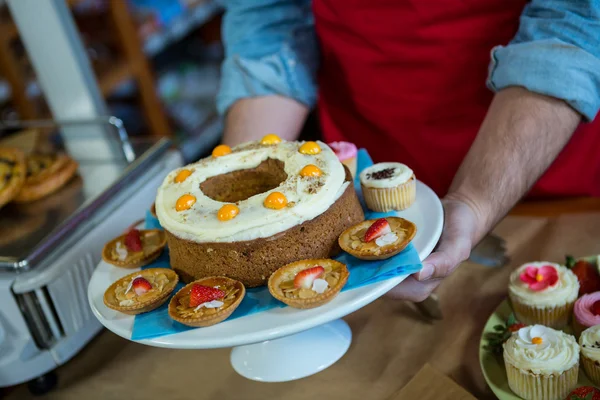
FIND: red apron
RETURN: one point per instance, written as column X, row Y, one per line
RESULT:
column 405, row 79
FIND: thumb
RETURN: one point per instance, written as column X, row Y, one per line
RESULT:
column 445, row 259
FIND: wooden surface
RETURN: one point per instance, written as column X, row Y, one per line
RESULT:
column 391, row 342
column 549, row 208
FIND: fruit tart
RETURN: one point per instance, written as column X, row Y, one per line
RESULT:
column 12, row 173
column 206, row 301
column 378, row 239
column 308, row 283
column 141, row 291
column 136, row 248
column 45, row 174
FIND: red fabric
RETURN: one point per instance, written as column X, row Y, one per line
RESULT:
column 405, row 79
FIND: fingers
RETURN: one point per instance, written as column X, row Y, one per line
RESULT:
column 441, row 263
column 413, row 290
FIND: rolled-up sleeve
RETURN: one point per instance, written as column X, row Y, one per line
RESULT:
column 270, row 48
column 556, row 52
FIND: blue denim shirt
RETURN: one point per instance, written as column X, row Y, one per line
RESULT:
column 271, row 48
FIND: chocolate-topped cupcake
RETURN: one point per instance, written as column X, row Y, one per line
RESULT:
column 388, row 186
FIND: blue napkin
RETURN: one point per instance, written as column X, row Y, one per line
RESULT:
column 158, row 323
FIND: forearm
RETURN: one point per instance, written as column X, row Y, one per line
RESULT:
column 522, row 134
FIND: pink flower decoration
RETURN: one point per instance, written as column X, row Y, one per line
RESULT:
column 539, row 278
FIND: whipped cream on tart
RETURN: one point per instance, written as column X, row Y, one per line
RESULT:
column 206, row 301
column 141, row 291
column 308, row 283
column 377, row 239
column 135, row 249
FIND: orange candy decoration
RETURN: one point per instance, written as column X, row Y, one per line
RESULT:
column 536, row 340
column 221, row 150
column 185, row 202
column 310, row 148
column 182, row 175
column 270, row 139
column 310, row 171
column 275, row 201
column 227, row 212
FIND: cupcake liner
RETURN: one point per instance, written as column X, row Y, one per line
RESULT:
column 351, row 164
column 553, row 317
column 393, row 198
column 541, row 387
column 592, row 369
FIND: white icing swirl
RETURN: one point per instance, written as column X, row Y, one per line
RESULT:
column 200, row 223
column 400, row 175
column 563, row 292
column 550, row 352
column 589, row 342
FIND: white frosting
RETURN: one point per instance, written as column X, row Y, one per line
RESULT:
column 121, row 251
column 126, row 303
column 563, row 292
column 386, row 239
column 200, row 223
column 588, row 342
column 210, row 304
column 556, row 353
column 319, row 285
column 401, row 175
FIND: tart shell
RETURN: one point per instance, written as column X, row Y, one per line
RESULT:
column 106, row 251
column 17, row 180
column 370, row 250
column 49, row 181
column 294, row 268
column 111, row 302
column 207, row 320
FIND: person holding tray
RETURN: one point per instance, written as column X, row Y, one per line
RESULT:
column 407, row 81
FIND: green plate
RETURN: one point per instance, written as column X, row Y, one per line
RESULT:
column 492, row 365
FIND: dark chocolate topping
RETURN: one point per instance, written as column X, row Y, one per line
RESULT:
column 383, row 174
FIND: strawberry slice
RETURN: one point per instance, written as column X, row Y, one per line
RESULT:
column 595, row 309
column 140, row 285
column 379, row 228
column 133, row 240
column 305, row 278
column 201, row 294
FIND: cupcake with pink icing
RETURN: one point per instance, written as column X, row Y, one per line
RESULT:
column 346, row 153
column 586, row 312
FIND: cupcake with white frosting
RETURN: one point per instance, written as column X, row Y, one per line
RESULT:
column 541, row 363
column 543, row 293
column 388, row 186
column 589, row 341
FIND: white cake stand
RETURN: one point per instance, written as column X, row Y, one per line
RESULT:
column 314, row 338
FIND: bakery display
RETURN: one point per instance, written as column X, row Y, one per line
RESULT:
column 589, row 342
column 347, row 154
column 586, row 312
column 308, row 283
column 245, row 211
column 12, row 173
column 46, row 173
column 378, row 239
column 141, row 291
column 541, row 363
column 543, row 293
column 134, row 249
column 388, row 186
column 207, row 301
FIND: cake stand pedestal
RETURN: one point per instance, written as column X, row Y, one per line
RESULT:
column 315, row 338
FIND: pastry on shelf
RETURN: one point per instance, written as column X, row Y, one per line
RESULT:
column 541, row 363
column 207, row 301
column 346, row 152
column 543, row 293
column 589, row 342
column 378, row 239
column 12, row 173
column 45, row 175
column 308, row 283
column 141, row 291
column 135, row 248
column 388, row 186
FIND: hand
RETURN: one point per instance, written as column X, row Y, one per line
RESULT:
column 461, row 226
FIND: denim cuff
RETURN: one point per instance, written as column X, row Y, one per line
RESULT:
column 550, row 67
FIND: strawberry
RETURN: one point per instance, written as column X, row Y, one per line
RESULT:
column 595, row 308
column 584, row 393
column 516, row 326
column 133, row 241
column 140, row 285
column 305, row 278
column 202, row 294
column 379, row 228
column 587, row 275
